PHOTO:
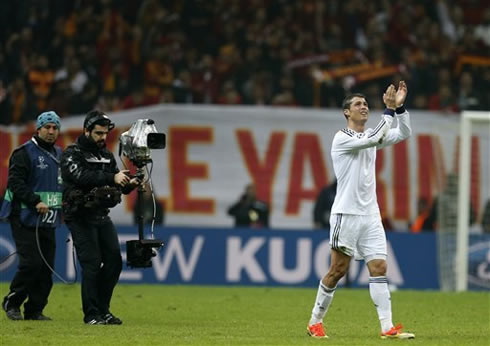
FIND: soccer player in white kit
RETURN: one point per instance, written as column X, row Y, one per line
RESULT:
column 355, row 222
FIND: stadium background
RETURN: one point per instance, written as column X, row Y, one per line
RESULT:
column 267, row 59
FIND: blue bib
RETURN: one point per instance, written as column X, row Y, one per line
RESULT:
column 44, row 180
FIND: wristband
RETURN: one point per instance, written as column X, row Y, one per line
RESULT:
column 390, row 112
column 400, row 109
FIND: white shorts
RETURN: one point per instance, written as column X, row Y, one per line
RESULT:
column 361, row 236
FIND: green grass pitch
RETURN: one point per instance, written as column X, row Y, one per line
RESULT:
column 208, row 315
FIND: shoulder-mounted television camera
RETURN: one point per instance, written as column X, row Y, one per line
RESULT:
column 136, row 145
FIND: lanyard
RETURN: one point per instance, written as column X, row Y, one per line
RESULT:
column 45, row 151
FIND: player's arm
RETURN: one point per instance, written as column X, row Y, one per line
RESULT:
column 399, row 133
column 403, row 129
column 346, row 140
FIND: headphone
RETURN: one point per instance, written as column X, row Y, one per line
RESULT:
column 104, row 119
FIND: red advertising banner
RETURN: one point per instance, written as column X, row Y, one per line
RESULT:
column 213, row 152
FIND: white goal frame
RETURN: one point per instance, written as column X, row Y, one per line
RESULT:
column 468, row 118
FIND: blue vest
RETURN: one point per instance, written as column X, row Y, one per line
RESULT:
column 45, row 180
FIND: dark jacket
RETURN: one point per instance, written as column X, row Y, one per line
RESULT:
column 250, row 213
column 323, row 206
column 18, row 175
column 85, row 166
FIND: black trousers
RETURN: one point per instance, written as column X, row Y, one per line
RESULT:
column 99, row 254
column 33, row 280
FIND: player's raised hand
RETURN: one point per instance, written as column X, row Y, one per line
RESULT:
column 389, row 97
column 401, row 94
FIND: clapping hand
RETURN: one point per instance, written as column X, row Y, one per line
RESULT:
column 401, row 94
column 389, row 97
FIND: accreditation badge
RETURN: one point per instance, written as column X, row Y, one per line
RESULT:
column 60, row 180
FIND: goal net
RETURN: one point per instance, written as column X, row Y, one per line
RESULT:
column 454, row 206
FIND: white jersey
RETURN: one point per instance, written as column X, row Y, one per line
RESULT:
column 354, row 162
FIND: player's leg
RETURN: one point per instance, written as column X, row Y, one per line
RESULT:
column 380, row 294
column 372, row 247
column 341, row 254
column 326, row 289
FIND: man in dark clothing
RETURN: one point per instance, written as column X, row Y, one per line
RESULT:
column 32, row 204
column 249, row 211
column 323, row 206
column 92, row 184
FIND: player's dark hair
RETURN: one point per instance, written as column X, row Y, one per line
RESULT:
column 348, row 100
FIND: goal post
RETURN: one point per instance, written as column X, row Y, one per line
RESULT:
column 468, row 120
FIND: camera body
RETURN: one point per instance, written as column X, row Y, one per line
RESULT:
column 136, row 143
column 140, row 252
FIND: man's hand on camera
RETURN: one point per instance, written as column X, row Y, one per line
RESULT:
column 134, row 182
column 42, row 208
column 122, row 178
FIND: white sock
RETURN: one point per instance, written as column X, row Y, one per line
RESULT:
column 380, row 294
column 324, row 297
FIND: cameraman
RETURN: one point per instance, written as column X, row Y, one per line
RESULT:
column 92, row 184
column 32, row 204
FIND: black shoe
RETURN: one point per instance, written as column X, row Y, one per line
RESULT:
column 5, row 303
column 95, row 320
column 37, row 317
column 14, row 314
column 11, row 312
column 111, row 319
